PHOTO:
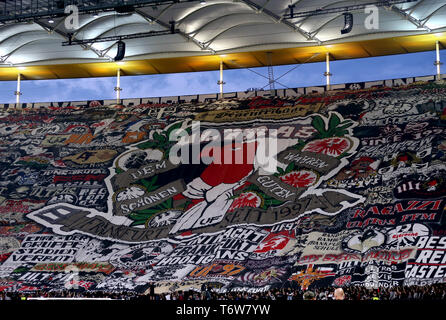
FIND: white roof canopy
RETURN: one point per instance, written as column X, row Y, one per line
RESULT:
column 216, row 27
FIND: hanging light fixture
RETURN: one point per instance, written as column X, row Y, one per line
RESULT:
column 348, row 23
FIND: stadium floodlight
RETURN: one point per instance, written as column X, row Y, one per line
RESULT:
column 121, row 51
column 172, row 26
column 291, row 7
column 348, row 23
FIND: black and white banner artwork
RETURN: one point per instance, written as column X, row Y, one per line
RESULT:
column 345, row 188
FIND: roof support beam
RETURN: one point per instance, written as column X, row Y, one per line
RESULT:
column 91, row 22
column 412, row 9
column 49, row 9
column 325, row 10
column 418, row 23
column 264, row 5
column 315, row 32
column 18, row 36
column 307, row 15
column 425, row 20
column 278, row 19
column 151, row 19
column 157, row 19
column 210, row 22
column 4, row 58
column 208, row 43
column 204, row 7
column 99, row 53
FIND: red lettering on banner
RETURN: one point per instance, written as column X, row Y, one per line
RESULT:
column 79, row 177
column 416, row 216
column 412, row 205
column 310, row 258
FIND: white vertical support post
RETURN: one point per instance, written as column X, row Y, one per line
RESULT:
column 437, row 62
column 221, row 82
column 271, row 80
column 17, row 92
column 327, row 73
column 118, row 88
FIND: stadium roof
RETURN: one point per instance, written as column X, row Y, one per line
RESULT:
column 243, row 33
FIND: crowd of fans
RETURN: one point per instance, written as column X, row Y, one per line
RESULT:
column 429, row 292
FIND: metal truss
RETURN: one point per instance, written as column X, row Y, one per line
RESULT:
column 278, row 19
column 12, row 11
column 322, row 11
column 118, row 38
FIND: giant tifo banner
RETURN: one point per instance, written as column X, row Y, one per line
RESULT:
column 345, row 188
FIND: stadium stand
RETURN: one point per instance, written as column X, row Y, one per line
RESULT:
column 124, row 201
